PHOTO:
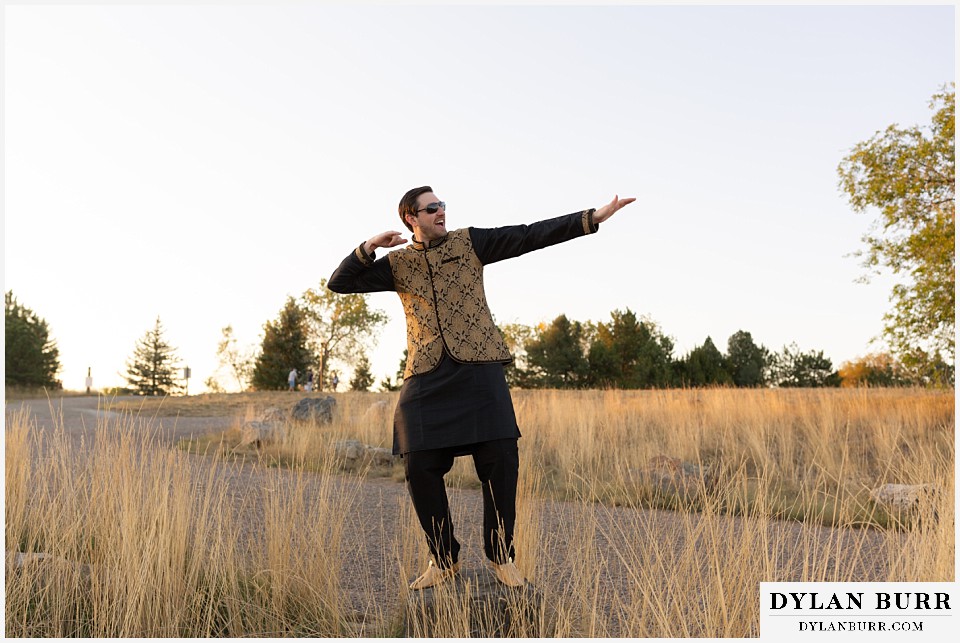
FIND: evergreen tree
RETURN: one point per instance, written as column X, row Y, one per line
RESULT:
column 31, row 358
column 152, row 368
column 631, row 354
column 793, row 368
column 284, row 347
column 394, row 384
column 556, row 355
column 704, row 366
column 746, row 362
column 362, row 377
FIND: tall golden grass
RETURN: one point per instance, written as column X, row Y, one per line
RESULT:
column 153, row 541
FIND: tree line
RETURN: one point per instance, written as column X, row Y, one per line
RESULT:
column 906, row 174
column 630, row 352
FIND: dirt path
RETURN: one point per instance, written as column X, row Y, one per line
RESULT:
column 378, row 507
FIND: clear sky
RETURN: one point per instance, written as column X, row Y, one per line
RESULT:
column 202, row 163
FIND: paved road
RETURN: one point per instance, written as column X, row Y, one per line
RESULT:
column 81, row 417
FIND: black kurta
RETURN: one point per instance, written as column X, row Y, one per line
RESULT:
column 453, row 405
column 457, row 403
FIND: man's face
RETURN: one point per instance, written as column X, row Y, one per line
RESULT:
column 429, row 226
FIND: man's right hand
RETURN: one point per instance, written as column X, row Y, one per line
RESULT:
column 384, row 240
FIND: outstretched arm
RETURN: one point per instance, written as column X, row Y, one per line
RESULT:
column 604, row 213
column 387, row 239
column 497, row 244
column 361, row 271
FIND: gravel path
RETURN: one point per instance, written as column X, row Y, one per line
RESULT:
column 379, row 505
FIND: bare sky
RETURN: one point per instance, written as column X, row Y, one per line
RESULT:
column 202, row 163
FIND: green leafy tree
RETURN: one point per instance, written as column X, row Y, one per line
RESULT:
column 793, row 368
column 630, row 353
column 875, row 369
column 908, row 174
column 746, row 361
column 152, row 369
column 236, row 361
column 556, row 355
column 284, row 347
column 31, row 357
column 362, row 377
column 704, row 366
column 340, row 327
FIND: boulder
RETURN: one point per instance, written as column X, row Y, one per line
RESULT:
column 261, row 433
column 350, row 451
column 672, row 476
column 380, row 457
column 474, row 604
column 45, row 569
column 274, row 414
column 317, row 410
column 903, row 497
column 376, row 411
column 354, row 453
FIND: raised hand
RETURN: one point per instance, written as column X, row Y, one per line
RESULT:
column 604, row 213
column 387, row 239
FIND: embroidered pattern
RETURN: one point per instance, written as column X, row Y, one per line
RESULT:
column 443, row 297
column 362, row 255
column 588, row 227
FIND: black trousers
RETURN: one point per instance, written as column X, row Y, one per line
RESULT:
column 497, row 463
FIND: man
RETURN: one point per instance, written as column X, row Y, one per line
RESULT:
column 292, row 379
column 454, row 400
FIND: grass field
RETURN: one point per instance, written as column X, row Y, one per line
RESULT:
column 147, row 547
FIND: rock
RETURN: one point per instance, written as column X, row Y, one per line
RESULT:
column 46, row 569
column 474, row 604
column 318, row 410
column 261, row 433
column 672, row 476
column 903, row 497
column 376, row 410
column 350, row 451
column 274, row 414
column 380, row 457
column 355, row 453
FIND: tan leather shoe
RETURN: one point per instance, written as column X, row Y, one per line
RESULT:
column 508, row 574
column 434, row 576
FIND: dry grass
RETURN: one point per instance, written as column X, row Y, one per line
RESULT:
column 159, row 533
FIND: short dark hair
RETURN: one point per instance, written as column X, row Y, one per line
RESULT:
column 408, row 204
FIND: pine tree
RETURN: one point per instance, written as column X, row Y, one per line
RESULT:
column 152, row 368
column 746, row 362
column 362, row 377
column 704, row 366
column 284, row 347
column 31, row 358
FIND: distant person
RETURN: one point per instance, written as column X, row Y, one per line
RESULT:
column 292, row 379
column 308, row 387
column 455, row 400
column 335, row 381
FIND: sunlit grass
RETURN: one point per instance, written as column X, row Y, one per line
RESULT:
column 153, row 541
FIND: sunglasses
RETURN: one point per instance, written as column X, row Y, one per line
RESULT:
column 434, row 207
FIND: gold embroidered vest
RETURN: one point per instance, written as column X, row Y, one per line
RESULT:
column 441, row 288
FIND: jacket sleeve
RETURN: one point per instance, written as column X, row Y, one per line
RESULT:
column 497, row 244
column 361, row 272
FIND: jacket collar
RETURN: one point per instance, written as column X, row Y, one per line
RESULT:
column 419, row 245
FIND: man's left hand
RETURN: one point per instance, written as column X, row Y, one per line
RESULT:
column 604, row 213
